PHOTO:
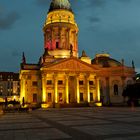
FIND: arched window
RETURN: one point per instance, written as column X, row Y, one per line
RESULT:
column 116, row 89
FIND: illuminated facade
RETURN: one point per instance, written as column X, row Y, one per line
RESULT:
column 9, row 86
column 61, row 77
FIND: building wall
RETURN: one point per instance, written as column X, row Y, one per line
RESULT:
column 30, row 82
column 9, row 86
column 112, row 86
column 58, row 88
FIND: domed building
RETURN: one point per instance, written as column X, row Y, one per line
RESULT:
column 114, row 77
column 62, row 78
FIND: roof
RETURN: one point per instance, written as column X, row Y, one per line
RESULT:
column 4, row 76
column 104, row 60
column 60, row 4
column 70, row 64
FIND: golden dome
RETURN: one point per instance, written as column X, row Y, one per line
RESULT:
column 104, row 60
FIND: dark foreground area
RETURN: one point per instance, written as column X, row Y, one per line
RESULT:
column 72, row 124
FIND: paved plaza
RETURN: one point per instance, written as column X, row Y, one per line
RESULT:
column 72, row 124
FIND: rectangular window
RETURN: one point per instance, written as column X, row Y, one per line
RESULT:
column 49, row 82
column 60, row 82
column 91, row 83
column 81, row 82
column 0, row 92
column 0, row 77
column 34, row 83
column 49, row 97
column 8, row 85
column 29, row 77
column 91, row 96
column 57, row 45
column 35, row 98
column 81, row 97
column 60, row 97
column 11, row 84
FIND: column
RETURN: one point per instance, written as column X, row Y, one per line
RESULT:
column 51, row 39
column 77, row 88
column 74, row 41
column 107, row 90
column 123, row 85
column 98, row 90
column 44, row 88
column 55, row 89
column 22, row 89
column 67, row 89
column 87, row 88
column 123, row 82
column 60, row 38
column 88, row 91
column 68, row 39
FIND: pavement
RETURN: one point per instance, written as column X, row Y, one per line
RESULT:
column 72, row 124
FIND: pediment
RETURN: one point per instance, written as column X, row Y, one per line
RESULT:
column 71, row 64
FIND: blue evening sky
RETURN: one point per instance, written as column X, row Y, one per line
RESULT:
column 110, row 26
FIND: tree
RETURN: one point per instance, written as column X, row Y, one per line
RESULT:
column 132, row 92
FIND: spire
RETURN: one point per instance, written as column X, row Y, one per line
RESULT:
column 133, row 65
column 23, row 58
column 84, row 54
column 122, row 62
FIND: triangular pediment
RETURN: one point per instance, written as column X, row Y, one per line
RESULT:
column 71, row 64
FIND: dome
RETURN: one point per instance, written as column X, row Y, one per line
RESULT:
column 104, row 60
column 60, row 4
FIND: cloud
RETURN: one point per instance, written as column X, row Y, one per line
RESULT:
column 94, row 19
column 15, row 53
column 126, row 1
column 7, row 21
column 43, row 2
column 97, row 3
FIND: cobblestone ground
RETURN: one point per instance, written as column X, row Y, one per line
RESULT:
column 72, row 124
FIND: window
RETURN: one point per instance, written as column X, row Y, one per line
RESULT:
column 81, row 82
column 49, row 82
column 60, row 82
column 29, row 77
column 115, row 89
column 60, row 97
column 34, row 83
column 35, row 98
column 11, row 85
column 91, row 83
column 8, row 85
column 81, row 97
column 49, row 97
column 57, row 45
column 0, row 77
column 91, row 96
column 1, row 92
